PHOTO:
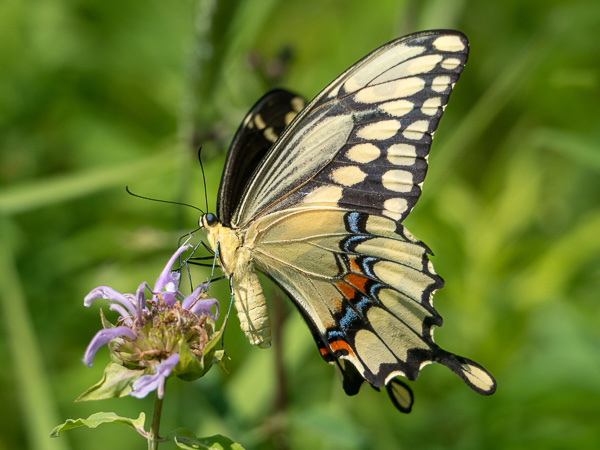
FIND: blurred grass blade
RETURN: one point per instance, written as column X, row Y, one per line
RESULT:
column 563, row 261
column 223, row 31
column 36, row 194
column 579, row 149
column 36, row 402
column 499, row 93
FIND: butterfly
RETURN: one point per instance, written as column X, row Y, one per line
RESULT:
column 314, row 197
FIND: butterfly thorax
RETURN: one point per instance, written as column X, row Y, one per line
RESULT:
column 236, row 261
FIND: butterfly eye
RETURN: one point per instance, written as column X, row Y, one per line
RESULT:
column 210, row 219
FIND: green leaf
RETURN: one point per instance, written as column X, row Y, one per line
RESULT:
column 105, row 323
column 190, row 368
column 117, row 381
column 186, row 439
column 100, row 418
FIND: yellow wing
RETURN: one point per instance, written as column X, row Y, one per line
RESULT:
column 366, row 285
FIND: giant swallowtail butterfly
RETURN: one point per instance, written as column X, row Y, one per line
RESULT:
column 314, row 197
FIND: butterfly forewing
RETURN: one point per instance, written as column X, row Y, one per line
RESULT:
column 363, row 142
column 259, row 130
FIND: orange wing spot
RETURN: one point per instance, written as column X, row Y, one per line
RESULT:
column 341, row 345
column 358, row 281
column 354, row 267
column 348, row 291
column 324, row 351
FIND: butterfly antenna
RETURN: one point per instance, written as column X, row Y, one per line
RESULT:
column 161, row 201
column 203, row 176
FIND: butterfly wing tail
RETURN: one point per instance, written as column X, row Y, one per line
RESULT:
column 473, row 374
column 400, row 395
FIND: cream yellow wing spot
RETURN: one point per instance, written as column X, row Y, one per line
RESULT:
column 431, row 106
column 347, row 176
column 379, row 131
column 402, row 154
column 297, row 104
column 477, row 377
column 270, row 134
column 416, row 130
column 440, row 83
column 449, row 44
column 363, row 153
column 450, row 63
column 325, row 195
column 394, row 250
column 402, row 278
column 403, row 87
column 397, row 108
column 259, row 122
column 412, row 67
column 395, row 207
column 397, row 180
column 378, row 225
column 289, row 117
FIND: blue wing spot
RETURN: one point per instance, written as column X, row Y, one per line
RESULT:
column 367, row 264
column 352, row 221
column 374, row 290
column 363, row 304
column 334, row 334
column 349, row 318
column 349, row 244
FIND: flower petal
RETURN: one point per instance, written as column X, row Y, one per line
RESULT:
column 203, row 306
column 165, row 276
column 169, row 298
column 103, row 337
column 140, row 300
column 123, row 314
column 190, row 299
column 193, row 303
column 148, row 383
column 109, row 293
column 173, row 283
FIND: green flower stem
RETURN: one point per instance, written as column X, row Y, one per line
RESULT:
column 153, row 436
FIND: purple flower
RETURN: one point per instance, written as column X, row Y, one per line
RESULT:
column 123, row 302
column 104, row 337
column 148, row 383
column 193, row 303
column 152, row 331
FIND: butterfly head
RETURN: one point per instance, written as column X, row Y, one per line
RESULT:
column 208, row 220
column 227, row 240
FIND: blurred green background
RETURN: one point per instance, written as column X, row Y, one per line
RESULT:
column 98, row 95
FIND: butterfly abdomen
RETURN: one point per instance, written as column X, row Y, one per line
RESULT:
column 236, row 261
column 250, row 301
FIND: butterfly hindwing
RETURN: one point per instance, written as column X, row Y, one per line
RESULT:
column 365, row 284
